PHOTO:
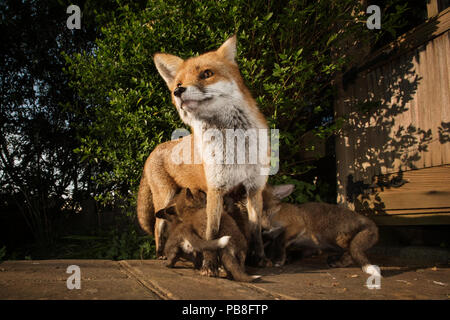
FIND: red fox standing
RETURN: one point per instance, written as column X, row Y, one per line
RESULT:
column 211, row 97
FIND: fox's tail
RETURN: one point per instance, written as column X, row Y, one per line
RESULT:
column 145, row 208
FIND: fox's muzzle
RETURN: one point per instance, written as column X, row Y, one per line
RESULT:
column 178, row 91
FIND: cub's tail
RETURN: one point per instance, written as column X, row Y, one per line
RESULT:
column 234, row 268
column 195, row 243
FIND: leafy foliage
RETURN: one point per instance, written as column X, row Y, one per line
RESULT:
column 38, row 168
column 287, row 57
column 111, row 245
column 117, row 108
column 289, row 54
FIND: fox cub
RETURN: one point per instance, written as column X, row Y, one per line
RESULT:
column 316, row 227
column 186, row 219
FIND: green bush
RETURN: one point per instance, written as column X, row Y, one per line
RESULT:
column 112, row 244
column 289, row 52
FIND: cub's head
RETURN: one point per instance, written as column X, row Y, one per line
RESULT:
column 272, row 196
column 203, row 87
column 183, row 203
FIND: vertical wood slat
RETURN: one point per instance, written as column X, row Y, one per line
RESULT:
column 428, row 108
column 435, row 115
column 432, row 8
column 444, row 72
column 424, row 111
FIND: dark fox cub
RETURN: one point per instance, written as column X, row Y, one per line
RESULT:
column 315, row 227
column 186, row 217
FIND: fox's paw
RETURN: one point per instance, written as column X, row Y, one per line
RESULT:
column 264, row 263
column 261, row 261
column 209, row 272
column 209, row 269
column 279, row 264
column 333, row 261
column 162, row 257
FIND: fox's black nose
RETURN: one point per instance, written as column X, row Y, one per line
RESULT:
column 178, row 91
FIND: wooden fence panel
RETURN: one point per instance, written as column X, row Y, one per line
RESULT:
column 398, row 120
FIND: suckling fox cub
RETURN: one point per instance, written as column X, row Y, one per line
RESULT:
column 186, row 218
column 316, row 226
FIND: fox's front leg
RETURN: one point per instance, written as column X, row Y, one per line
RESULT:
column 254, row 208
column 160, row 227
column 214, row 208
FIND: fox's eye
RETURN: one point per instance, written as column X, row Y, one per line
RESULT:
column 206, row 74
column 178, row 84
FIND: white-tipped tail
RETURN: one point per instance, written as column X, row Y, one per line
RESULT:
column 187, row 246
column 372, row 270
column 224, row 241
column 255, row 277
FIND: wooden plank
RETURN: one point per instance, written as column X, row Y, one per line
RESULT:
column 426, row 87
column 432, row 8
column 419, row 99
column 373, row 140
column 414, row 38
column 427, row 219
column 418, row 211
column 435, row 114
column 351, row 147
column 404, row 119
column 426, row 108
column 444, row 85
column 341, row 168
column 424, row 191
column 417, row 199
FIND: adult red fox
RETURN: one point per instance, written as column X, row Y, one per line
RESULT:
column 211, row 97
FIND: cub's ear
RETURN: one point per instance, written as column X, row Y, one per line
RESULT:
column 161, row 214
column 171, row 210
column 282, row 190
column 167, row 66
column 164, row 213
column 189, row 194
column 228, row 49
column 274, row 233
column 202, row 196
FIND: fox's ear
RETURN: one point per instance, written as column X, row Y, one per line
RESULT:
column 167, row 66
column 273, row 233
column 282, row 190
column 228, row 49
